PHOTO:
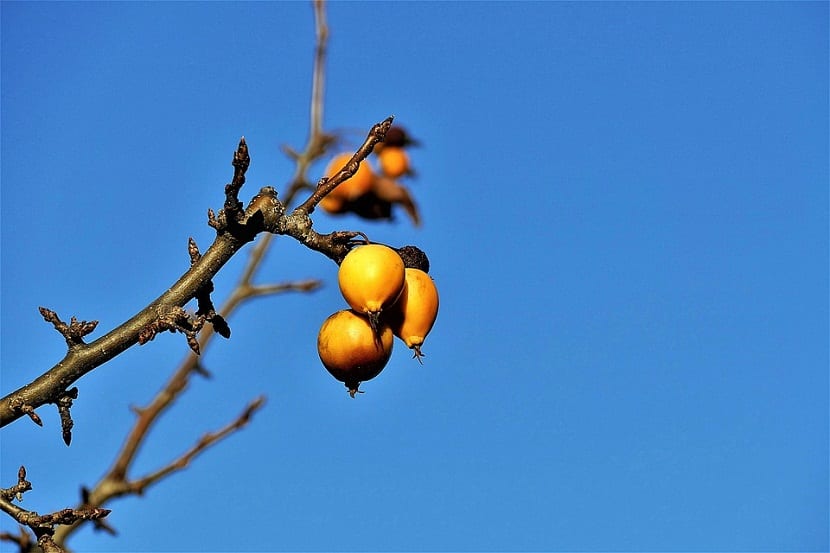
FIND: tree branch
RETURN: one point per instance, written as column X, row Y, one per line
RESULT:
column 116, row 483
column 83, row 358
column 43, row 526
column 326, row 185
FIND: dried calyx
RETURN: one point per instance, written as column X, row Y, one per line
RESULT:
column 414, row 258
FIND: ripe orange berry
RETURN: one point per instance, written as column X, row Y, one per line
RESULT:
column 394, row 162
column 333, row 204
column 371, row 278
column 351, row 350
column 413, row 315
column 357, row 185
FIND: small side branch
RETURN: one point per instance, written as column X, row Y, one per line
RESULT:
column 117, row 484
column 17, row 491
column 326, row 185
column 138, row 486
column 73, row 332
column 231, row 213
column 43, row 526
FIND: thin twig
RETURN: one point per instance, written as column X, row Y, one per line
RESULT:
column 83, row 358
column 116, row 484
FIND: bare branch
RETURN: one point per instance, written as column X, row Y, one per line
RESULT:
column 318, row 80
column 116, row 484
column 318, row 140
column 164, row 313
column 138, row 486
column 17, row 491
column 23, row 539
column 326, row 185
column 43, row 526
column 269, row 289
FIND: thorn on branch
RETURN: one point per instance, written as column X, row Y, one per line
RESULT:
column 73, row 332
column 64, row 404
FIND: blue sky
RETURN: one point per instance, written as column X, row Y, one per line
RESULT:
column 626, row 212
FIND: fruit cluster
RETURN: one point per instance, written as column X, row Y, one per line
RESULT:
column 388, row 297
column 369, row 193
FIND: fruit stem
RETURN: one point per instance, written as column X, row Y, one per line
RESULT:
column 418, row 355
column 353, row 388
column 374, row 322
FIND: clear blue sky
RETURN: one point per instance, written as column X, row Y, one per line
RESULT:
column 626, row 211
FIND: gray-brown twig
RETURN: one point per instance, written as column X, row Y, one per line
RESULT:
column 42, row 526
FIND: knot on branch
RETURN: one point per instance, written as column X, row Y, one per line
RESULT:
column 73, row 332
column 265, row 211
column 174, row 319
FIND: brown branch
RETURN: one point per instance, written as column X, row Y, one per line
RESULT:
column 17, row 491
column 113, row 484
column 268, row 289
column 83, row 358
column 23, row 540
column 234, row 229
column 318, row 140
column 138, row 486
column 43, row 526
column 326, row 185
column 116, row 483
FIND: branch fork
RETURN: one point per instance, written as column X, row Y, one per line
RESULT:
column 43, row 526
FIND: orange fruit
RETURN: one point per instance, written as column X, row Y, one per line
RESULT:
column 394, row 162
column 357, row 185
column 414, row 314
column 371, row 278
column 351, row 350
column 333, row 204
